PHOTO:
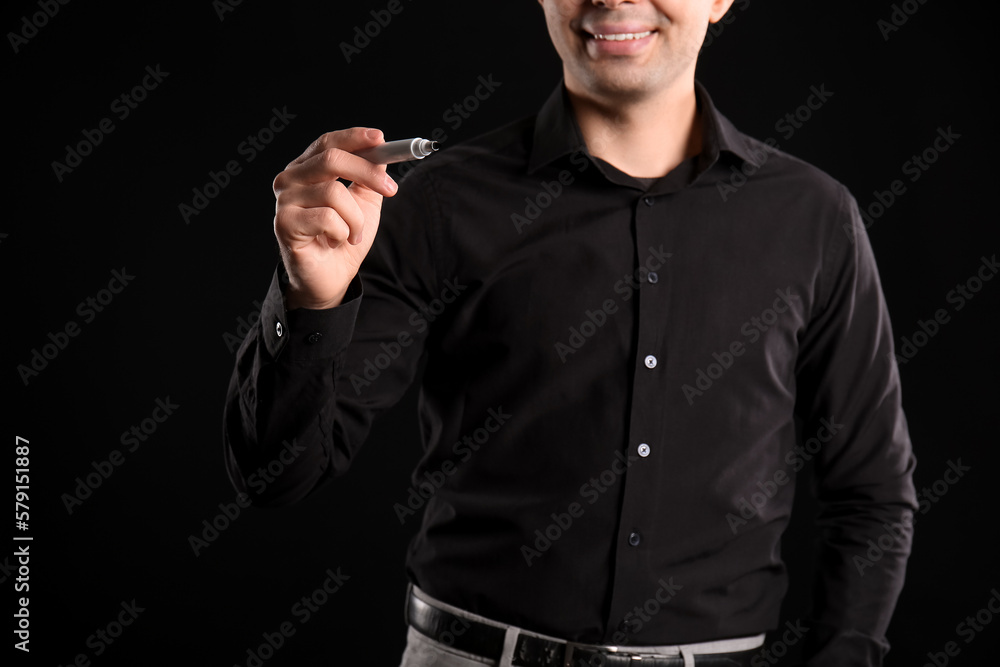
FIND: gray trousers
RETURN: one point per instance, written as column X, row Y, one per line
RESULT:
column 423, row 651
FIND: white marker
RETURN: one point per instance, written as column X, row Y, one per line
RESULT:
column 399, row 151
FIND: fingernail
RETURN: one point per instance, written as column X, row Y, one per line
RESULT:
column 391, row 184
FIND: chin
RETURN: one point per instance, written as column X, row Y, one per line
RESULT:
column 621, row 85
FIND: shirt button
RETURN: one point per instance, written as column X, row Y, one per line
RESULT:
column 650, row 360
column 652, row 277
column 648, row 201
column 644, row 450
column 315, row 337
column 634, row 539
column 277, row 329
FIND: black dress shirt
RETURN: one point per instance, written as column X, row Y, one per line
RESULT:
column 622, row 379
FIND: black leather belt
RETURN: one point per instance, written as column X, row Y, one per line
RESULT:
column 487, row 641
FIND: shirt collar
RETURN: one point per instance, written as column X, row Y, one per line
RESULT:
column 557, row 132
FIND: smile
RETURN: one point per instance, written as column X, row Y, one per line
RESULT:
column 623, row 36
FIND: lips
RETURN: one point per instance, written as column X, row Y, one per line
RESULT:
column 619, row 30
column 623, row 36
column 618, row 40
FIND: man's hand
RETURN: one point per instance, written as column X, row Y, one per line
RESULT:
column 325, row 228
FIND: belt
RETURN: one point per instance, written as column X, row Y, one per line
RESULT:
column 472, row 636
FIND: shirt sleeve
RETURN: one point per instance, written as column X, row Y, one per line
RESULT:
column 849, row 395
column 307, row 384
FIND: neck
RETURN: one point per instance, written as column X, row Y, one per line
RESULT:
column 645, row 138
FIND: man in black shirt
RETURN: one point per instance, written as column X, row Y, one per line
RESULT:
column 639, row 324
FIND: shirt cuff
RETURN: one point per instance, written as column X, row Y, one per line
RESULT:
column 302, row 336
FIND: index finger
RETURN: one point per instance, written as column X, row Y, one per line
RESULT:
column 336, row 164
column 351, row 140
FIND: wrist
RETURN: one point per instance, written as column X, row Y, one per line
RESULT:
column 295, row 299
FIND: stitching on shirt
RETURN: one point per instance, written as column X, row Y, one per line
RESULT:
column 833, row 241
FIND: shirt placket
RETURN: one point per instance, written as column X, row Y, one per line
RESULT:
column 636, row 522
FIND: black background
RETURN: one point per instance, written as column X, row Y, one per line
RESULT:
column 164, row 335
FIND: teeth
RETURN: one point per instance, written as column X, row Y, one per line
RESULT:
column 623, row 36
